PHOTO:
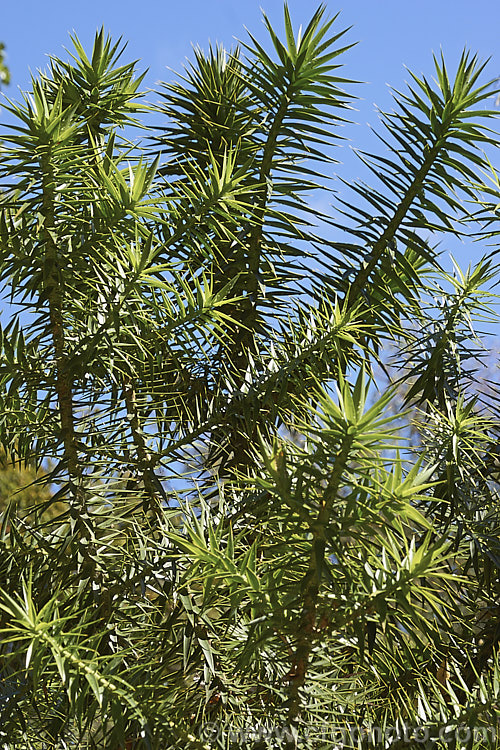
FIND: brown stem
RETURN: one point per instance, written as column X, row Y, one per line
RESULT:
column 254, row 249
column 306, row 629
column 380, row 245
column 489, row 639
column 53, row 293
column 143, row 455
column 255, row 240
column 240, row 444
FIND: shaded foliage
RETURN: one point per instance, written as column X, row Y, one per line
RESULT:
column 4, row 70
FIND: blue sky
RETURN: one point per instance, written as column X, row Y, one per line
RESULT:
column 392, row 34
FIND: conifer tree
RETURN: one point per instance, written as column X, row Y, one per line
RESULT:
column 248, row 550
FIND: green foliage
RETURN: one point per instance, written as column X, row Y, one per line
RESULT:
column 240, row 529
column 4, row 70
column 25, row 488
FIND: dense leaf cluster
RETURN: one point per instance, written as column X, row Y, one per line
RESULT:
column 245, row 533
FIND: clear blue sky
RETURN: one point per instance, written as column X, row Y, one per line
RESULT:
column 391, row 34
